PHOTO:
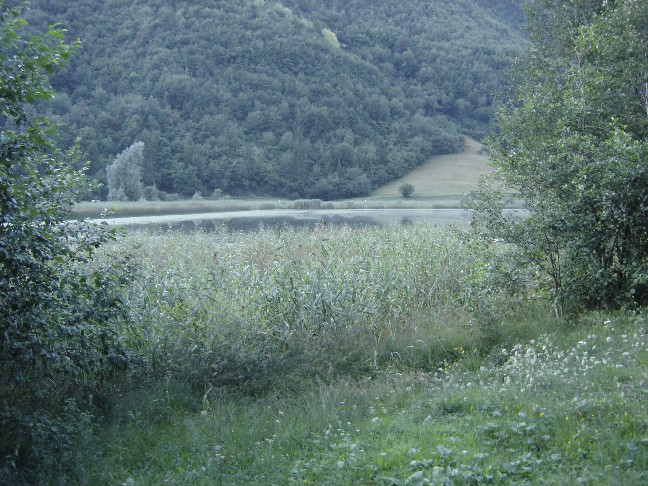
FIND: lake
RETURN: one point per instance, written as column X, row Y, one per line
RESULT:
column 245, row 221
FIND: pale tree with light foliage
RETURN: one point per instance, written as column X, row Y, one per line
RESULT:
column 125, row 174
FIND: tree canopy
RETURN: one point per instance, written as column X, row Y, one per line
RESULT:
column 278, row 98
column 573, row 146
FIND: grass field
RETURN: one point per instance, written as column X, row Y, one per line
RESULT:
column 402, row 355
column 447, row 176
column 560, row 410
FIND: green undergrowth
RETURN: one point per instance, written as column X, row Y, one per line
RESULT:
column 246, row 311
column 398, row 355
column 564, row 408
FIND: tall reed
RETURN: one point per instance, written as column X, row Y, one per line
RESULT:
column 244, row 309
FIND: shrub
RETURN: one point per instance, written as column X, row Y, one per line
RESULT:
column 572, row 147
column 151, row 193
column 406, row 190
column 59, row 312
column 171, row 197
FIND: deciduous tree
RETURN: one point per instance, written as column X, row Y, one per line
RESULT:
column 125, row 174
column 59, row 314
column 573, row 147
column 406, row 190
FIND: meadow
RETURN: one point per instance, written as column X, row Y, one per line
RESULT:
column 397, row 355
column 447, row 175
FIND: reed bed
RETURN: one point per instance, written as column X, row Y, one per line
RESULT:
column 398, row 355
column 251, row 310
column 99, row 209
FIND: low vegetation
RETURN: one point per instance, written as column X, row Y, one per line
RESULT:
column 375, row 356
column 256, row 308
column 103, row 209
column 566, row 408
column 406, row 190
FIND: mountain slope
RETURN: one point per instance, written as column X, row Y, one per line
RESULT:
column 444, row 175
column 297, row 99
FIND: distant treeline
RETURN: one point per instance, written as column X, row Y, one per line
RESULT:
column 300, row 98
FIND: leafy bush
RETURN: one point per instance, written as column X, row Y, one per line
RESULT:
column 406, row 190
column 151, row 193
column 60, row 313
column 572, row 146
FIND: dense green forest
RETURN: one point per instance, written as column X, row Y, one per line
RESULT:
column 300, row 98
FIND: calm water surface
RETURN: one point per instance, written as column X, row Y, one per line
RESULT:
column 246, row 221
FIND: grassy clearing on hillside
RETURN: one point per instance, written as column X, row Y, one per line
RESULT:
column 448, row 175
column 363, row 356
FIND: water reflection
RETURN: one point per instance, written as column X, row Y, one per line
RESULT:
column 249, row 221
column 253, row 224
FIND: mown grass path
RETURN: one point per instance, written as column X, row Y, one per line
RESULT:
column 561, row 409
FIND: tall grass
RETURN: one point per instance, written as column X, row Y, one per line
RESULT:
column 249, row 310
column 224, row 320
column 397, row 355
column 565, row 408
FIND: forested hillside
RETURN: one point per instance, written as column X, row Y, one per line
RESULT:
column 299, row 98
